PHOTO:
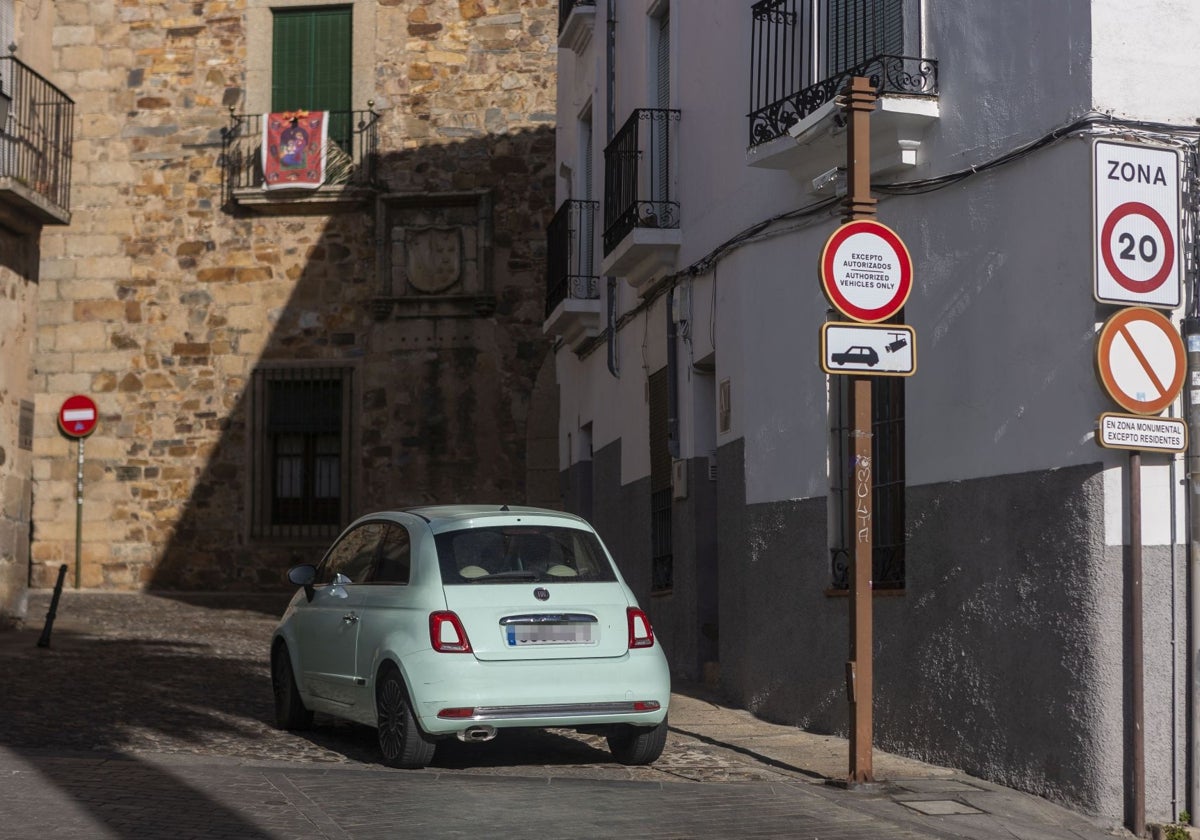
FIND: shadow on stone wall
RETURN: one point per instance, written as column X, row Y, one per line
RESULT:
column 440, row 404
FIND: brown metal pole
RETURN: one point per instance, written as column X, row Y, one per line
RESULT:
column 859, row 101
column 1137, row 822
column 861, row 666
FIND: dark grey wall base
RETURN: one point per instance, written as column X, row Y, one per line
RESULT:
column 1006, row 655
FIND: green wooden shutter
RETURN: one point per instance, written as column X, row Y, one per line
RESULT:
column 310, row 68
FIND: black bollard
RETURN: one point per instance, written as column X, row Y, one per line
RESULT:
column 44, row 641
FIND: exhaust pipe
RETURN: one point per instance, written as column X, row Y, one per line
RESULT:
column 477, row 734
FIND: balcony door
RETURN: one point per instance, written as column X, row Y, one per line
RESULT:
column 310, row 65
column 859, row 30
column 660, row 189
column 587, row 217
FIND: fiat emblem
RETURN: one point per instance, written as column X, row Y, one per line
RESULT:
column 541, row 593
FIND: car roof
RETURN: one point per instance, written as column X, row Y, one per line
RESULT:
column 443, row 515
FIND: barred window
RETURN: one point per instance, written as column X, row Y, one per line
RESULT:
column 301, row 463
column 887, row 476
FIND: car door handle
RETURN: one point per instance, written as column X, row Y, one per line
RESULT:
column 350, row 617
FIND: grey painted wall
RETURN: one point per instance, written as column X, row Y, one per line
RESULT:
column 1005, row 656
column 685, row 619
column 621, row 516
column 688, row 616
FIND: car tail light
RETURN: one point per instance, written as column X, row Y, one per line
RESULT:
column 641, row 634
column 457, row 713
column 446, row 633
column 646, row 706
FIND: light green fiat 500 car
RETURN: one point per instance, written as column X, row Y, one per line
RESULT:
column 460, row 621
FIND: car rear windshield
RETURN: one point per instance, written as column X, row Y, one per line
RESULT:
column 515, row 553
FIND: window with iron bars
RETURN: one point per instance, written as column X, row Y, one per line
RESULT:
column 300, row 466
column 888, row 481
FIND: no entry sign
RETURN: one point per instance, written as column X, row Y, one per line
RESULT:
column 1136, row 202
column 1141, row 360
column 77, row 417
column 866, row 271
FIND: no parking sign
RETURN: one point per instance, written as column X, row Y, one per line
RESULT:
column 1135, row 191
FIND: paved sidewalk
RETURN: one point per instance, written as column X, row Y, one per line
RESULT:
column 149, row 716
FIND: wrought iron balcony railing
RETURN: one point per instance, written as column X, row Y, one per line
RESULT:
column 639, row 187
column 352, row 156
column 570, row 242
column 804, row 53
column 564, row 10
column 36, row 143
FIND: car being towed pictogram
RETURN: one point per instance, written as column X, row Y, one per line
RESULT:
column 856, row 355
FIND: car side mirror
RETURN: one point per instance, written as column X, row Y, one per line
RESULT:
column 303, row 575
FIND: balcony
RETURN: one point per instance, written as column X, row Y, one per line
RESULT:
column 576, row 19
column 35, row 150
column 352, row 157
column 641, row 215
column 572, row 287
column 804, row 54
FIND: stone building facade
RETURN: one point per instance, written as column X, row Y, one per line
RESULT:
column 269, row 364
column 35, row 138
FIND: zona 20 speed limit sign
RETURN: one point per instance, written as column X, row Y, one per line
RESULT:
column 1135, row 191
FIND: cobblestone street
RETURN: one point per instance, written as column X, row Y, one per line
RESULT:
column 188, row 674
column 150, row 716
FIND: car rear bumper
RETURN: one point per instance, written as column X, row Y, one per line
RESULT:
column 549, row 693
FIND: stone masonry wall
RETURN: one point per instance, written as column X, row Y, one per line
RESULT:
column 160, row 302
column 18, row 305
column 20, row 236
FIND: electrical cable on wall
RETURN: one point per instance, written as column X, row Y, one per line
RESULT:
column 1098, row 123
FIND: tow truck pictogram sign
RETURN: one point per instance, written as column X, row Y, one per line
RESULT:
column 870, row 349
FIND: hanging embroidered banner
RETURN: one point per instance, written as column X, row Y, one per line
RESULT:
column 293, row 149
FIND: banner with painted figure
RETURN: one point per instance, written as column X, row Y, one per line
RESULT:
column 293, row 149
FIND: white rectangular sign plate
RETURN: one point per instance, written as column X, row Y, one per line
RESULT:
column 1136, row 224
column 868, row 349
column 1133, row 431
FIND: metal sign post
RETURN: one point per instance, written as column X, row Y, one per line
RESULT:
column 1141, row 362
column 866, row 274
column 77, row 418
column 1137, row 665
column 79, row 517
column 860, row 102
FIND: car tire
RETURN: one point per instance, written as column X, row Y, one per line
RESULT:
column 290, row 712
column 401, row 741
column 635, row 745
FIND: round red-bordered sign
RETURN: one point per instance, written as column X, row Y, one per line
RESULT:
column 866, row 271
column 1141, row 360
column 1167, row 243
column 78, row 415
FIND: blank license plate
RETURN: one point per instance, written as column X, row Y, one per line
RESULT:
column 520, row 635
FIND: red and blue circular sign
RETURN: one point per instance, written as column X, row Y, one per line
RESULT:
column 866, row 271
column 78, row 415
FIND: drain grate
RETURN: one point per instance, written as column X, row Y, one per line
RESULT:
column 941, row 807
